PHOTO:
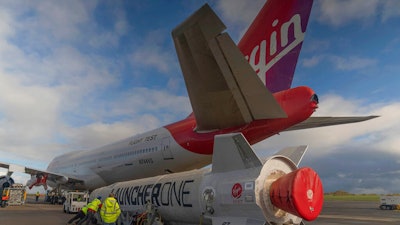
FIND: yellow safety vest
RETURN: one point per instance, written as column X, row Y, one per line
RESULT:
column 110, row 210
column 84, row 210
column 94, row 205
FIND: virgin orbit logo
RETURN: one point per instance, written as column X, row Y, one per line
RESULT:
column 260, row 64
column 237, row 190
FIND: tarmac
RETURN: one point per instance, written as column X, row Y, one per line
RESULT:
column 333, row 213
column 355, row 212
column 34, row 213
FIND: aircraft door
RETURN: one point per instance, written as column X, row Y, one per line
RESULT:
column 166, row 148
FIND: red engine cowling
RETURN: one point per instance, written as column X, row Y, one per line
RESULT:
column 38, row 180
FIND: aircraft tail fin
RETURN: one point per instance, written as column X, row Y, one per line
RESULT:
column 273, row 41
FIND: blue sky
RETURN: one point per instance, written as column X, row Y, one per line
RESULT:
column 80, row 74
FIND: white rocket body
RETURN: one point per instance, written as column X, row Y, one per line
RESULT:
column 236, row 190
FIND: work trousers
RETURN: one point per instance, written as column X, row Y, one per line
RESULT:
column 88, row 218
column 79, row 216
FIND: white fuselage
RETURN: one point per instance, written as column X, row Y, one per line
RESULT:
column 145, row 155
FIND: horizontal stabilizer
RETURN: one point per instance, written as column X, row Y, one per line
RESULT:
column 313, row 122
column 223, row 88
column 233, row 152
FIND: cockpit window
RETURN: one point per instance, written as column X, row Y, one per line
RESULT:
column 314, row 98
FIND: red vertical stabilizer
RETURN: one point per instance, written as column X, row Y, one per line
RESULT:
column 273, row 42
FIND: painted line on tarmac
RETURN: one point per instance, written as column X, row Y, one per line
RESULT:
column 360, row 218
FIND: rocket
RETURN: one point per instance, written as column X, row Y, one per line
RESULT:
column 238, row 188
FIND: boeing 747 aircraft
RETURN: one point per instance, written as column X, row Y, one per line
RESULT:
column 226, row 95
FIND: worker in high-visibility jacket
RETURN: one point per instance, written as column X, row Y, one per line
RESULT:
column 93, row 206
column 80, row 215
column 37, row 196
column 110, row 210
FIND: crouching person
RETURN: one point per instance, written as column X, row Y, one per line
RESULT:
column 110, row 210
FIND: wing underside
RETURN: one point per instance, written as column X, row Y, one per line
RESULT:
column 40, row 177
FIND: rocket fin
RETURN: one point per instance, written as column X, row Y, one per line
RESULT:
column 294, row 153
column 233, row 152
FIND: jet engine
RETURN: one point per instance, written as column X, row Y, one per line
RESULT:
column 5, row 181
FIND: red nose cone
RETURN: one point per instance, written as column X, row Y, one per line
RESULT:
column 299, row 193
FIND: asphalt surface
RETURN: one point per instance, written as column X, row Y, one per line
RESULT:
column 333, row 213
column 357, row 212
column 34, row 214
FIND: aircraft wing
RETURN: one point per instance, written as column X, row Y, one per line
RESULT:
column 40, row 177
column 313, row 122
column 224, row 89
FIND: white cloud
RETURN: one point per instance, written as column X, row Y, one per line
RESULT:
column 54, row 92
column 391, row 8
column 35, row 93
column 68, row 66
column 155, row 100
column 152, row 57
column 359, row 157
column 352, row 62
column 106, row 38
column 151, row 54
column 379, row 133
column 314, row 45
column 341, row 12
column 230, row 10
column 61, row 19
column 6, row 23
column 348, row 63
column 311, row 62
column 387, row 128
column 28, row 116
column 98, row 134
